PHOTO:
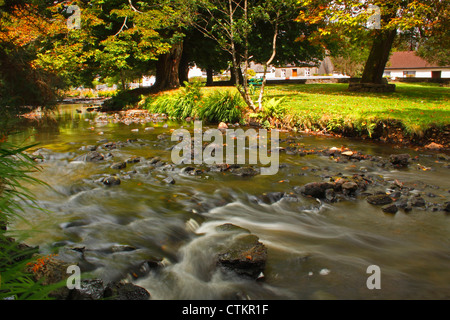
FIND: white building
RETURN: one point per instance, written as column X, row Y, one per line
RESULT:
column 406, row 64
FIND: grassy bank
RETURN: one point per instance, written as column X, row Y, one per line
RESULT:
column 413, row 110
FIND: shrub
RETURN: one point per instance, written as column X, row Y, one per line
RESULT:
column 177, row 106
column 222, row 106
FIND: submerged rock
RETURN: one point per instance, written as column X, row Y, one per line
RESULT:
column 447, row 206
column 90, row 289
column 111, row 181
column 169, row 180
column 379, row 199
column 314, row 189
column 92, row 156
column 418, row 201
column 434, row 146
column 229, row 227
column 126, row 291
column 272, row 197
column 349, row 187
column 246, row 256
column 400, row 160
column 119, row 165
column 245, row 171
column 390, row 208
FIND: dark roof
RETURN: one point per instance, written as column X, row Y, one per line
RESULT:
column 408, row 60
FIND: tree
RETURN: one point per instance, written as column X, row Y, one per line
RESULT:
column 203, row 52
column 23, row 83
column 120, row 41
column 386, row 17
column 250, row 31
column 277, row 39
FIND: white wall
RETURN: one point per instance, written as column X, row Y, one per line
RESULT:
column 421, row 73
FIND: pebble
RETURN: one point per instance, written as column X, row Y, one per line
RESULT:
column 324, row 272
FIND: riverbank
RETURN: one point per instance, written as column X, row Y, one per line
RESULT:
column 416, row 115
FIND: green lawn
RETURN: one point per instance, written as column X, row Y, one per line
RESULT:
column 417, row 106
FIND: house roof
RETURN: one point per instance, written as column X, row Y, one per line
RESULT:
column 408, row 60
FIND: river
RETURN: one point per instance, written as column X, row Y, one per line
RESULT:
column 316, row 249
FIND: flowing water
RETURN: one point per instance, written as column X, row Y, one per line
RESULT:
column 315, row 249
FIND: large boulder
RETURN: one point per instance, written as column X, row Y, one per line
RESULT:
column 246, row 256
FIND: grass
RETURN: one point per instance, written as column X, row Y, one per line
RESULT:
column 416, row 107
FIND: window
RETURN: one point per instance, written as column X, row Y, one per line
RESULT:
column 387, row 74
column 409, row 74
column 307, row 72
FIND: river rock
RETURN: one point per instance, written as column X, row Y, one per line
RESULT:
column 222, row 125
column 447, row 206
column 379, row 199
column 133, row 160
column 229, row 227
column 89, row 148
column 390, row 208
column 125, row 291
column 109, row 145
column 90, row 289
column 400, row 160
column 330, row 195
column 111, row 181
column 245, row 171
column 349, row 187
column 246, row 256
column 169, row 180
column 154, row 160
column 314, row 189
column 92, row 156
column 272, row 197
column 434, row 146
column 119, row 165
column 418, row 202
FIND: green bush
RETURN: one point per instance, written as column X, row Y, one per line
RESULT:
column 222, row 106
column 178, row 106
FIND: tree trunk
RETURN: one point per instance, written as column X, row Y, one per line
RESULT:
column 378, row 56
column 268, row 62
column 183, row 70
column 167, row 68
column 233, row 76
column 209, row 76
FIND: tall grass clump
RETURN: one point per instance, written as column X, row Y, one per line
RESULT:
column 222, row 106
column 179, row 105
column 16, row 168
